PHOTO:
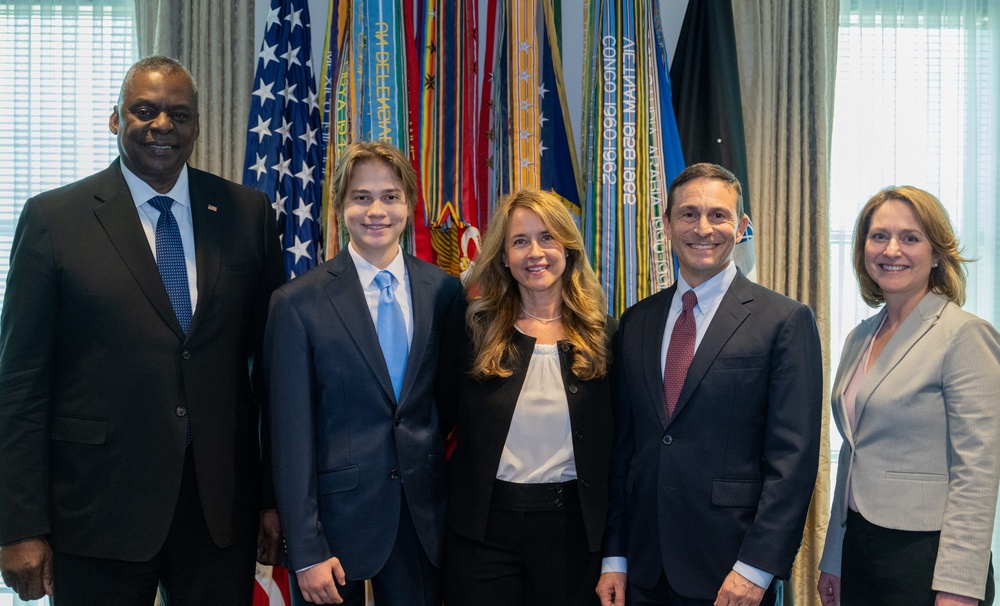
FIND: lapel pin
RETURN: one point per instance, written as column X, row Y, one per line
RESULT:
column 212, row 208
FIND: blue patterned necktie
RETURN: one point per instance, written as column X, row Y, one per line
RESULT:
column 391, row 331
column 170, row 260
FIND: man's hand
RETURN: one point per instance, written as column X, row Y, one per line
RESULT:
column 27, row 567
column 738, row 591
column 829, row 589
column 953, row 599
column 611, row 588
column 317, row 583
column 270, row 550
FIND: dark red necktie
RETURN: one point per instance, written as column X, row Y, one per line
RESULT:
column 679, row 352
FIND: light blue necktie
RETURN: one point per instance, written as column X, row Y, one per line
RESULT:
column 391, row 331
column 170, row 260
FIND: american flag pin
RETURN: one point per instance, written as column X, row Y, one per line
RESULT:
column 212, row 208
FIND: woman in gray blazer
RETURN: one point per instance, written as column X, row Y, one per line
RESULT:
column 916, row 401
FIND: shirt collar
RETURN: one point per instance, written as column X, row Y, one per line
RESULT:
column 709, row 292
column 367, row 271
column 142, row 192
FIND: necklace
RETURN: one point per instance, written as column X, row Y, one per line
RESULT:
column 542, row 320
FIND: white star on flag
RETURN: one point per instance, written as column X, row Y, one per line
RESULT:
column 303, row 211
column 264, row 92
column 261, row 130
column 267, row 54
column 301, row 249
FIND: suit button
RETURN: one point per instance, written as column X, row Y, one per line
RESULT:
column 393, row 475
column 559, row 489
column 398, row 420
column 578, row 435
column 584, row 484
column 186, row 354
column 573, row 389
column 564, row 346
column 667, row 439
column 181, row 411
column 558, row 502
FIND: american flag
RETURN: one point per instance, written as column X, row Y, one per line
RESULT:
column 284, row 157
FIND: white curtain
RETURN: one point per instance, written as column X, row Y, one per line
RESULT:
column 917, row 103
column 63, row 62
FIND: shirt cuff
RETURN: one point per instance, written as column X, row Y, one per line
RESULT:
column 755, row 575
column 616, row 564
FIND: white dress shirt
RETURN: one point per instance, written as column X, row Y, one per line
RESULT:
column 148, row 216
column 401, row 287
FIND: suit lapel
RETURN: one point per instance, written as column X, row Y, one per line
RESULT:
column 652, row 343
column 348, row 300
column 207, row 239
column 118, row 216
column 913, row 328
column 854, row 349
column 730, row 315
column 422, row 303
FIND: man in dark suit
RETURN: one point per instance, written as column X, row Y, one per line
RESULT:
column 129, row 421
column 351, row 350
column 717, row 388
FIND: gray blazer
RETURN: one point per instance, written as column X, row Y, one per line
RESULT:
column 925, row 453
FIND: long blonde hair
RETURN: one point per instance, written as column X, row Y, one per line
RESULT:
column 496, row 299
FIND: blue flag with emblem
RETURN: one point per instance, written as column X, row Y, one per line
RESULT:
column 284, row 156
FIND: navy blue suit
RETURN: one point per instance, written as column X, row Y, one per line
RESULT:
column 730, row 475
column 346, row 454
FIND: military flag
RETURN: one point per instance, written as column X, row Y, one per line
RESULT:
column 529, row 136
column 708, row 105
column 631, row 149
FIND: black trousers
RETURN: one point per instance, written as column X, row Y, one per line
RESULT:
column 535, row 552
column 887, row 567
column 189, row 568
column 407, row 578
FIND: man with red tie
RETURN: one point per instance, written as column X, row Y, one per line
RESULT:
column 717, row 398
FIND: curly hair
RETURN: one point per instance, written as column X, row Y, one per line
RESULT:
column 496, row 298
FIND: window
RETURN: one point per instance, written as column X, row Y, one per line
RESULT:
column 916, row 104
column 63, row 64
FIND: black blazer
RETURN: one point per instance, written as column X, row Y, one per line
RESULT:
column 481, row 412
column 729, row 477
column 99, row 382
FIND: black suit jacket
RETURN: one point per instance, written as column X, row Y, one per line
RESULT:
column 344, row 448
column 99, row 382
column 481, row 412
column 729, row 477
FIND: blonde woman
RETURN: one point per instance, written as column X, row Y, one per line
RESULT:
column 527, row 386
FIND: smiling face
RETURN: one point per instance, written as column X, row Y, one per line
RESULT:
column 898, row 253
column 156, row 123
column 703, row 228
column 537, row 261
column 375, row 211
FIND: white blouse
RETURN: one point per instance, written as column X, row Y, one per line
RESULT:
column 539, row 447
